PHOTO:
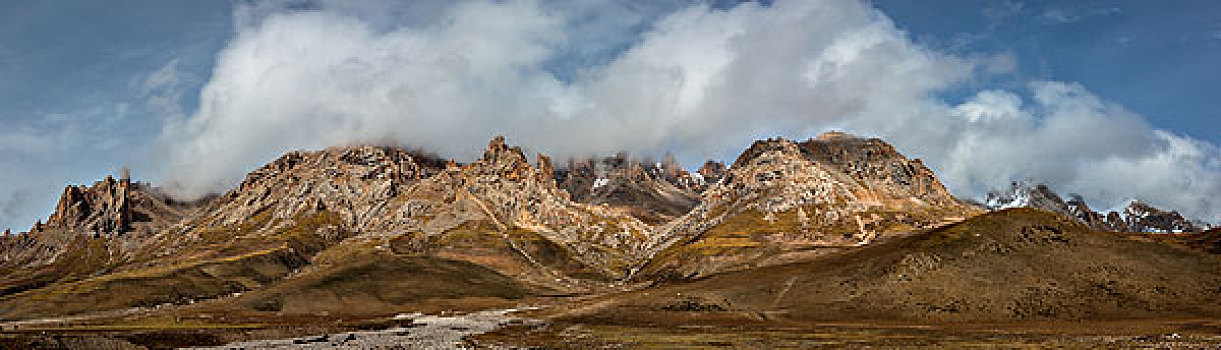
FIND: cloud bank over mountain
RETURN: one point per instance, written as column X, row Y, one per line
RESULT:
column 573, row 79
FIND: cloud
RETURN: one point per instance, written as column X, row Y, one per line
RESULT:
column 164, row 88
column 695, row 80
column 1063, row 16
column 1070, row 138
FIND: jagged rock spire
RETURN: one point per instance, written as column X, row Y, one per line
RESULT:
column 104, row 207
column 546, row 171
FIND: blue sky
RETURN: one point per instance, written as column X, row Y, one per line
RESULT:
column 1158, row 58
column 72, row 102
column 87, row 87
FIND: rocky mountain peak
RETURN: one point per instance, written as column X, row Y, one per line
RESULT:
column 370, row 197
column 1027, row 194
column 765, row 151
column 782, row 199
column 1142, row 217
column 877, row 163
column 355, row 163
column 545, row 169
column 499, row 152
column 347, row 180
column 1078, row 208
column 104, row 207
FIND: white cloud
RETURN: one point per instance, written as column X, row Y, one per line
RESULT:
column 699, row 81
column 1078, row 143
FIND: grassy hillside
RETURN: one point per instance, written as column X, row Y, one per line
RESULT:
column 1018, row 264
column 379, row 283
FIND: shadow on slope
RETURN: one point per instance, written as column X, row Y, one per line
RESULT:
column 379, row 283
column 176, row 284
column 1017, row 264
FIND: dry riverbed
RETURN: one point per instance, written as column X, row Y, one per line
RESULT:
column 424, row 332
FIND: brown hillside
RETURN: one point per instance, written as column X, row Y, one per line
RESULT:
column 1017, row 264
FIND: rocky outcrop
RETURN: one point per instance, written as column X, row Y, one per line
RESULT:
column 111, row 207
column 783, row 201
column 669, row 171
column 711, row 172
column 521, row 207
column 104, row 207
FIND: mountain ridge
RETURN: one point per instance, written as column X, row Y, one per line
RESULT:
column 364, row 229
column 1133, row 216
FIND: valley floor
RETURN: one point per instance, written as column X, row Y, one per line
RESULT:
column 590, row 322
column 578, row 336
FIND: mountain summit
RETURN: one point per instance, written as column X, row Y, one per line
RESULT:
column 783, row 200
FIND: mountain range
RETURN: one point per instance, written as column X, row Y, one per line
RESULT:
column 835, row 227
column 1135, row 216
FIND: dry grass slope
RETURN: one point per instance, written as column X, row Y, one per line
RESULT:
column 1018, row 264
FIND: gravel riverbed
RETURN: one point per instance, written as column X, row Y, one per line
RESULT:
column 425, row 332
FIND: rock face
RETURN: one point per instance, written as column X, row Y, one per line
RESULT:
column 712, row 172
column 507, row 197
column 876, row 165
column 654, row 192
column 353, row 182
column 783, row 201
column 102, row 208
column 111, row 207
column 1137, row 216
